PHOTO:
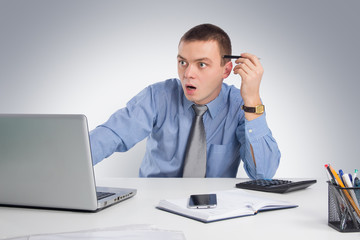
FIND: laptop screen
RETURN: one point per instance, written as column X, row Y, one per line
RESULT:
column 45, row 161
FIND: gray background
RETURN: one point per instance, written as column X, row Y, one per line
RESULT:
column 91, row 57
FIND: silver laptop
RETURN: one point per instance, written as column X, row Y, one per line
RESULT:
column 45, row 162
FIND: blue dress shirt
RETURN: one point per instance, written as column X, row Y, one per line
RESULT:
column 162, row 113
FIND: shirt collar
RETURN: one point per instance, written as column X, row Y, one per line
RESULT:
column 186, row 103
column 213, row 107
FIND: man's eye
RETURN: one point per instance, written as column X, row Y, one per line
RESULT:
column 182, row 63
column 202, row 65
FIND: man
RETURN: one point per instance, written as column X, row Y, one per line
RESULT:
column 164, row 114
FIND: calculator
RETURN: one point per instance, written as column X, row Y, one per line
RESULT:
column 275, row 185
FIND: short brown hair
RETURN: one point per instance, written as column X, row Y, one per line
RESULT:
column 208, row 32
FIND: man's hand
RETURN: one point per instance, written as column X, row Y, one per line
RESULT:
column 251, row 71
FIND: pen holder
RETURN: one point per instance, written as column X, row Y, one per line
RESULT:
column 342, row 215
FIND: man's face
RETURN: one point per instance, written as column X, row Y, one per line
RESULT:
column 200, row 70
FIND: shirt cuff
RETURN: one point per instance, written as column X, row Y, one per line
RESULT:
column 256, row 128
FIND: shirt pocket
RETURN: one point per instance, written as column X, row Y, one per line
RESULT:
column 223, row 160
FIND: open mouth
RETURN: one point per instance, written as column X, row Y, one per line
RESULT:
column 190, row 87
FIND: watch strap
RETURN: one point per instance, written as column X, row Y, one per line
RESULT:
column 248, row 109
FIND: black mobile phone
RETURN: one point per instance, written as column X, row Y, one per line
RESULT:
column 202, row 201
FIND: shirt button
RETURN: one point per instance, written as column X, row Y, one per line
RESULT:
column 250, row 130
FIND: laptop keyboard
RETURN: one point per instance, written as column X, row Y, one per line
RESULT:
column 101, row 195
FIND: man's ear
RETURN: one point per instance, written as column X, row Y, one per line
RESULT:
column 227, row 69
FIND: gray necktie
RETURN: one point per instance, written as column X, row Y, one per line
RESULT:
column 195, row 154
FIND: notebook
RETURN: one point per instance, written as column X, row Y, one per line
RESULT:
column 230, row 204
column 45, row 162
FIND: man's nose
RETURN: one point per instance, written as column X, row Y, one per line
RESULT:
column 189, row 72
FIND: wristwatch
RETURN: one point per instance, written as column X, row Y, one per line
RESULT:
column 259, row 109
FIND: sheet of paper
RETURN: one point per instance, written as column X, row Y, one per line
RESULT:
column 130, row 232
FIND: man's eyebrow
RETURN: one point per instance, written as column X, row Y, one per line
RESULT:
column 203, row 59
column 196, row 60
column 179, row 56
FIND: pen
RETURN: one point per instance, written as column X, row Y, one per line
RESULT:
column 348, row 184
column 357, row 182
column 234, row 57
column 352, row 203
column 346, row 180
column 341, row 174
column 355, row 172
column 332, row 178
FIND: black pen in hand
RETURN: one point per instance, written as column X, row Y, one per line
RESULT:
column 234, row 57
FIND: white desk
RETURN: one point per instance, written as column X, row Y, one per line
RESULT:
column 309, row 220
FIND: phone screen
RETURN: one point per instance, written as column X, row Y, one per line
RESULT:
column 203, row 201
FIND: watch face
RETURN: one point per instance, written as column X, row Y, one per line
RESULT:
column 260, row 109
